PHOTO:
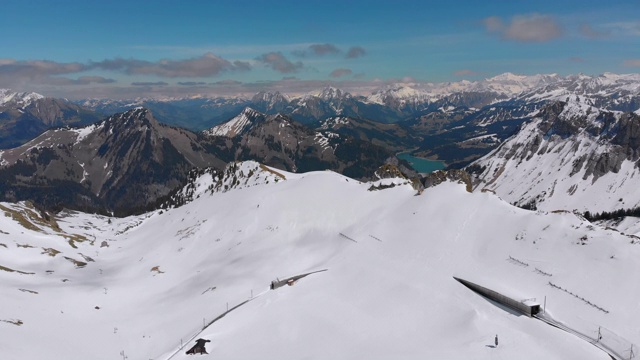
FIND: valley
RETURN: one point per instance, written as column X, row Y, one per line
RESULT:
column 138, row 237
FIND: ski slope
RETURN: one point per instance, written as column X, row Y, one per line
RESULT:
column 388, row 291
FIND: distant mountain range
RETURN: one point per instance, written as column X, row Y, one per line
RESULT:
column 390, row 103
column 128, row 162
column 458, row 122
column 24, row 116
column 534, row 136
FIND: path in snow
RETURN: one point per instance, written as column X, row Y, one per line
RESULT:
column 599, row 343
column 284, row 281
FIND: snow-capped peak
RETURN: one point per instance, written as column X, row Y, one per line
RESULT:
column 237, row 125
column 330, row 93
column 20, row 99
column 396, row 92
column 507, row 77
column 270, row 97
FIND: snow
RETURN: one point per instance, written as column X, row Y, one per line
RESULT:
column 323, row 140
column 448, row 109
column 85, row 131
column 235, row 126
column 331, row 123
column 547, row 176
column 20, row 99
column 85, row 174
column 491, row 137
column 331, row 93
column 388, row 292
column 401, row 93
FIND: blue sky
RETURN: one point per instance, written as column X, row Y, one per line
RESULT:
column 132, row 48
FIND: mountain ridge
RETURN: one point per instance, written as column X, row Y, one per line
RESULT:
column 572, row 155
column 124, row 162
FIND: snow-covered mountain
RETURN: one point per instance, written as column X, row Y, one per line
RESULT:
column 24, row 116
column 270, row 102
column 607, row 91
column 572, row 155
column 391, row 102
column 145, row 287
column 238, row 125
column 18, row 99
column 401, row 98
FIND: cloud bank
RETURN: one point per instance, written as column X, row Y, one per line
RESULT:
column 203, row 66
column 340, row 73
column 589, row 32
column 632, row 63
column 355, row 52
column 279, row 62
column 525, row 28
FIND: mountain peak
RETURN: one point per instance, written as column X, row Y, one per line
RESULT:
column 250, row 112
column 139, row 117
column 270, row 97
column 508, row 76
column 21, row 99
column 330, row 92
column 237, row 125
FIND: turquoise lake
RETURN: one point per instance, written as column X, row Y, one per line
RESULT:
column 422, row 165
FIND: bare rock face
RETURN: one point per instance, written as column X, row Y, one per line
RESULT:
column 627, row 135
column 389, row 171
column 440, row 176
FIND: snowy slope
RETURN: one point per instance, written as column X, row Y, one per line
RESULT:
column 388, row 291
column 571, row 156
column 237, row 125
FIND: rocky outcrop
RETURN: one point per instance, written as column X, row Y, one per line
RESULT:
column 440, row 176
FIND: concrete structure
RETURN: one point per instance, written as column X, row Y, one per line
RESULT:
column 527, row 307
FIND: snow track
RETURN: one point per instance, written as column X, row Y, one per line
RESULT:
column 293, row 279
column 185, row 344
column 616, row 355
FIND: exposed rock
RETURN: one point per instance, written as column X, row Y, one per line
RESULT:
column 440, row 176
